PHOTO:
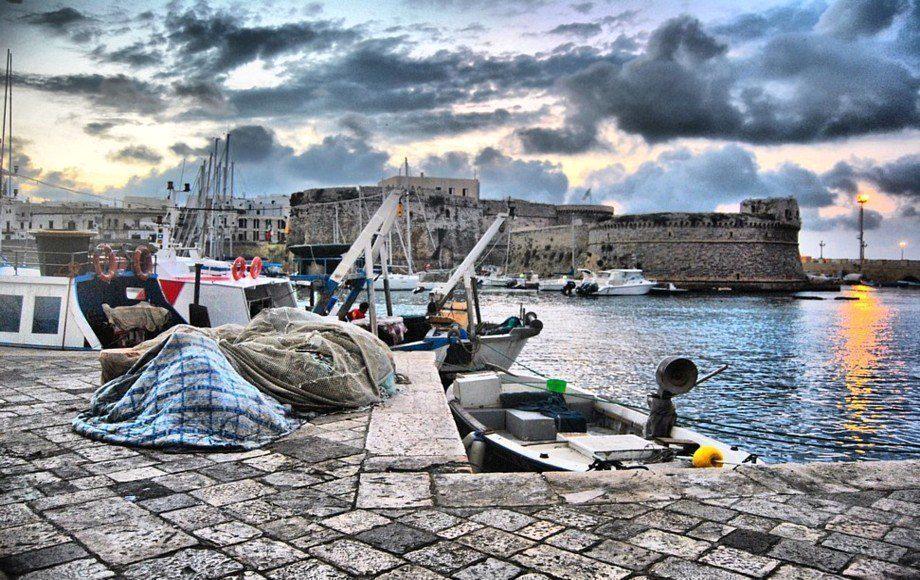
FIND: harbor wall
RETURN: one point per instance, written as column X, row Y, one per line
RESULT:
column 884, row 271
column 548, row 250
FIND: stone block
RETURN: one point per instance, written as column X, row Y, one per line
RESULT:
column 530, row 426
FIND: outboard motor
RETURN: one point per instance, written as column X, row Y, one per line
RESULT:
column 675, row 376
column 587, row 289
column 569, row 287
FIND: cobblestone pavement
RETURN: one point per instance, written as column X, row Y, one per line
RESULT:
column 320, row 505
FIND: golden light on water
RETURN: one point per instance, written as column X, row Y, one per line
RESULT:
column 862, row 322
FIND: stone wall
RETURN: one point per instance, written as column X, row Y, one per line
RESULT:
column 744, row 251
column 884, row 271
column 548, row 250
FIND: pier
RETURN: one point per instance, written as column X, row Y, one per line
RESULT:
column 387, row 492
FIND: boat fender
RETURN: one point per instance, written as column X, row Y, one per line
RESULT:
column 530, row 318
column 707, row 456
column 111, row 263
column 475, row 445
column 143, row 263
column 238, row 270
column 255, row 268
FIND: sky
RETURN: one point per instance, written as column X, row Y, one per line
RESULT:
column 650, row 105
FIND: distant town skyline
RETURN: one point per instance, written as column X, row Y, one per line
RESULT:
column 650, row 105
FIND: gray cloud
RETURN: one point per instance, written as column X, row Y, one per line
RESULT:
column 798, row 88
column 793, row 17
column 116, row 92
column 98, row 128
column 64, row 22
column 136, row 154
column 137, row 54
column 208, row 43
column 579, row 29
column 583, row 7
column 852, row 18
column 502, row 175
column 679, row 180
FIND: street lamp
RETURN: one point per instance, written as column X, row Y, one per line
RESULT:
column 861, row 199
column 902, row 245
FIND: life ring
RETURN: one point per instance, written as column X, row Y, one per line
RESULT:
column 111, row 263
column 708, row 456
column 255, row 267
column 143, row 262
column 238, row 270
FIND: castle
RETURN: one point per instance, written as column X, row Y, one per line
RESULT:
column 753, row 250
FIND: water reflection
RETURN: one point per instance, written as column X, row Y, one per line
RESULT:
column 862, row 321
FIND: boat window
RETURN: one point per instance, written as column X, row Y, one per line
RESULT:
column 137, row 293
column 46, row 315
column 10, row 312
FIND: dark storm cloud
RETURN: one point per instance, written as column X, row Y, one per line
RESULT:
column 855, row 18
column 381, row 76
column 794, row 17
column 680, row 180
column 136, row 154
column 503, row 175
column 579, row 29
column 340, row 159
column 208, row 43
column 186, row 150
column 872, row 220
column 899, row 178
column 798, row 88
column 583, row 7
column 116, row 92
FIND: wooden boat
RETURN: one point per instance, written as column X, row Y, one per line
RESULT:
column 500, row 437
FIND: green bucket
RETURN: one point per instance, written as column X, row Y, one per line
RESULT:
column 556, row 385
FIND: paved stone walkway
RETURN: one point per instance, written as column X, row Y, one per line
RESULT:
column 384, row 493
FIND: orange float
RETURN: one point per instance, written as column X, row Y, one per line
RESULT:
column 143, row 263
column 238, row 270
column 255, row 268
column 111, row 263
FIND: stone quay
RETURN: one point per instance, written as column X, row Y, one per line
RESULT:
column 387, row 492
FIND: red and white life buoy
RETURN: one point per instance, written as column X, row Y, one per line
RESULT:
column 255, row 268
column 238, row 270
column 111, row 263
column 143, row 262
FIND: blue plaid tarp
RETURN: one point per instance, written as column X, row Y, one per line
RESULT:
column 186, row 394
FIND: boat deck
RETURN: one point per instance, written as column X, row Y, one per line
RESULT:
column 383, row 493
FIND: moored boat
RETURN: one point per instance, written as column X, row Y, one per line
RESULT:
column 515, row 422
column 620, row 282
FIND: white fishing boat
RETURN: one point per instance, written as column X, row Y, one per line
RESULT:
column 494, row 278
column 565, row 282
column 514, row 422
column 399, row 282
column 620, row 282
column 668, row 289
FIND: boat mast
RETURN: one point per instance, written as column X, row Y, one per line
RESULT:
column 7, row 94
column 408, row 220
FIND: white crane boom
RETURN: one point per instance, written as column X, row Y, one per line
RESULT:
column 442, row 291
column 379, row 225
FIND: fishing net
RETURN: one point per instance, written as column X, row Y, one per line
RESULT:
column 310, row 362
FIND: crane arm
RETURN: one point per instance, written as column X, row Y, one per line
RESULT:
column 442, row 291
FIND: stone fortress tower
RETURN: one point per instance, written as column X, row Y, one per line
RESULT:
column 756, row 249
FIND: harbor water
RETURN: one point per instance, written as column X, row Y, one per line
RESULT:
column 844, row 373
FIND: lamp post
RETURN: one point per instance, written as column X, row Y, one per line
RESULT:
column 902, row 245
column 822, row 244
column 861, row 199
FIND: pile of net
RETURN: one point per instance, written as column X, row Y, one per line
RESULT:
column 236, row 386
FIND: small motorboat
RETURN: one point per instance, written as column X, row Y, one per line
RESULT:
column 668, row 289
column 565, row 283
column 493, row 278
column 621, row 282
column 526, row 281
column 398, row 282
column 525, row 423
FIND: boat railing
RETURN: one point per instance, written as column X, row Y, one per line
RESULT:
column 49, row 263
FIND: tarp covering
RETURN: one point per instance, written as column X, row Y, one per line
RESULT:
column 141, row 316
column 184, row 393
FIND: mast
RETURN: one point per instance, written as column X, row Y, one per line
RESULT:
column 7, row 89
column 408, row 220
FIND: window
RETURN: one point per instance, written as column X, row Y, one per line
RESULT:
column 281, row 224
column 89, row 224
column 450, row 190
column 10, row 311
column 464, row 192
column 255, row 223
column 50, row 224
column 116, row 222
column 47, row 315
column 242, row 223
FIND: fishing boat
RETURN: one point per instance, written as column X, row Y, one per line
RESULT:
column 64, row 304
column 566, row 283
column 399, row 282
column 526, row 281
column 668, row 289
column 620, row 282
column 493, row 278
column 526, row 423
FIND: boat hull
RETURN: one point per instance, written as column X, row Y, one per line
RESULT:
column 625, row 290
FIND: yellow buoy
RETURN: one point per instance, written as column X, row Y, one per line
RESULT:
column 707, row 456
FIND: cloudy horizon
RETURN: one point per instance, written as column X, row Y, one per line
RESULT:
column 652, row 106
